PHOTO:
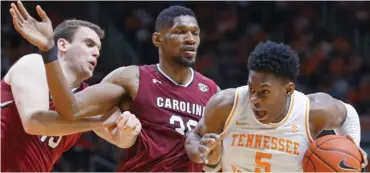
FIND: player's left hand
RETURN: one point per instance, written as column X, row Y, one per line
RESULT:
column 363, row 153
column 37, row 33
column 208, row 143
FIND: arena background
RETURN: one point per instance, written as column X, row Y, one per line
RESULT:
column 332, row 39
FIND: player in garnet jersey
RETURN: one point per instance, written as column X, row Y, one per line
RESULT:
column 168, row 98
column 33, row 138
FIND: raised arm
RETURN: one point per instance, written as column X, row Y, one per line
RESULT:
column 30, row 91
column 96, row 100
column 203, row 143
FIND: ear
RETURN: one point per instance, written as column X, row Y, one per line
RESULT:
column 63, row 44
column 156, row 38
column 290, row 87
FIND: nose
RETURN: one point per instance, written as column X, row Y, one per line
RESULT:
column 189, row 38
column 256, row 101
column 96, row 52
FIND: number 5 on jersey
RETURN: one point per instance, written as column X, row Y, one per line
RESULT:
column 261, row 161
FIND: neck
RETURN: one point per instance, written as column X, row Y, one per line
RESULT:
column 180, row 74
column 72, row 78
column 283, row 113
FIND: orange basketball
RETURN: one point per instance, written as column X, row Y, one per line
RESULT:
column 332, row 153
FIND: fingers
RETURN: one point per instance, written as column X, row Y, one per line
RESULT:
column 42, row 14
column 18, row 14
column 23, row 10
column 16, row 22
column 129, row 124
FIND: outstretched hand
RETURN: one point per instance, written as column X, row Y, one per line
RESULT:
column 37, row 33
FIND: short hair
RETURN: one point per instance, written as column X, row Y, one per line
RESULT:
column 68, row 28
column 278, row 59
column 166, row 16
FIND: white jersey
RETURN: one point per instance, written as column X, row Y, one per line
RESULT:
column 252, row 146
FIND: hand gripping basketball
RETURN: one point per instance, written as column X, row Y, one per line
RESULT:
column 128, row 124
column 363, row 153
column 209, row 142
column 37, row 33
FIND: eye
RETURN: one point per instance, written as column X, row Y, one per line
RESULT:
column 178, row 32
column 252, row 90
column 89, row 44
column 265, row 91
column 196, row 33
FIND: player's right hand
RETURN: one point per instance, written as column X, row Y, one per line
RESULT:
column 128, row 124
column 208, row 143
column 37, row 33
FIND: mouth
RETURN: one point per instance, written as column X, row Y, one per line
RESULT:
column 92, row 65
column 260, row 114
column 189, row 51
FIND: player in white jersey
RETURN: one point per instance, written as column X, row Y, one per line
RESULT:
column 266, row 126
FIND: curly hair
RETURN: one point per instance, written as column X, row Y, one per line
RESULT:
column 166, row 16
column 276, row 58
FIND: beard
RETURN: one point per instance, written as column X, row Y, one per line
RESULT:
column 184, row 61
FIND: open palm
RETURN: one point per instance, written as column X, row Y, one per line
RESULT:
column 37, row 33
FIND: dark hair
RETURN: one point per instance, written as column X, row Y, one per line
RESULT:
column 166, row 16
column 278, row 59
column 68, row 28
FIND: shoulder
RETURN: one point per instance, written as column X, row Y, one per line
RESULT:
column 326, row 110
column 31, row 65
column 29, row 61
column 122, row 74
column 222, row 102
column 321, row 102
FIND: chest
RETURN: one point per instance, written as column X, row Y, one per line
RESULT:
column 160, row 103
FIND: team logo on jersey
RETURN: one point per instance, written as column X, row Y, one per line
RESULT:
column 294, row 128
column 204, row 88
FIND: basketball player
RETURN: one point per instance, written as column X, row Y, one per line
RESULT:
column 168, row 98
column 267, row 125
column 32, row 138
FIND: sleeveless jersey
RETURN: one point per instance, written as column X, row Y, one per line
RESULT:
column 167, row 111
column 252, row 146
column 21, row 152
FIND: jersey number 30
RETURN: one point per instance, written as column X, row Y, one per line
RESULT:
column 182, row 129
column 261, row 162
column 52, row 142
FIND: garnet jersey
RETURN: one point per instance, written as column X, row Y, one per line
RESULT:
column 23, row 152
column 167, row 111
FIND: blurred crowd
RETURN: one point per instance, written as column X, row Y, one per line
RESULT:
column 331, row 38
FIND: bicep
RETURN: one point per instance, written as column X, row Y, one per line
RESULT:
column 103, row 97
column 98, row 99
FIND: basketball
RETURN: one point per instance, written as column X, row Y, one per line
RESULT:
column 332, row 153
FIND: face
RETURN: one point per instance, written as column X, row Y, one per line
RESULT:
column 83, row 52
column 179, row 43
column 268, row 95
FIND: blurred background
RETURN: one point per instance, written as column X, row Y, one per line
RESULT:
column 332, row 39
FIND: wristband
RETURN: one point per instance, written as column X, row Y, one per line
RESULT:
column 50, row 55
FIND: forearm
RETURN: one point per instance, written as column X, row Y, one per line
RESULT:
column 351, row 125
column 49, row 123
column 116, row 137
column 63, row 98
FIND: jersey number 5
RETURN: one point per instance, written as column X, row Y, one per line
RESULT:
column 189, row 125
column 51, row 142
column 261, row 162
